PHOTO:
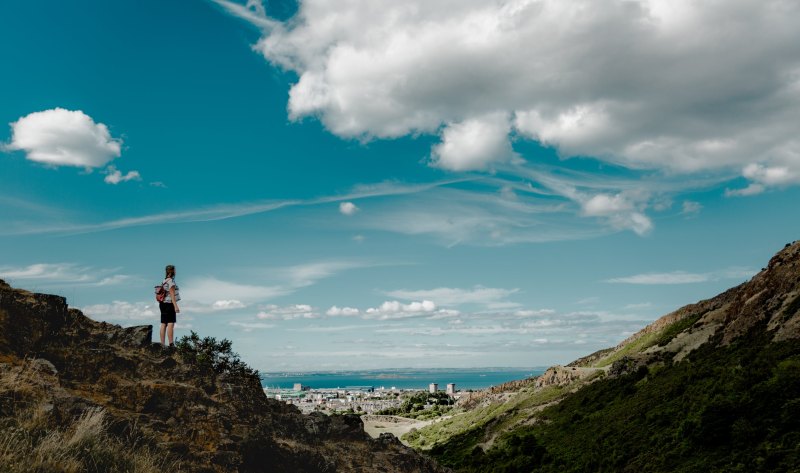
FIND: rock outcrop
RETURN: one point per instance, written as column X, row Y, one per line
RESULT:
column 208, row 422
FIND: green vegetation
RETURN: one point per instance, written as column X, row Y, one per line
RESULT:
column 208, row 354
column 422, row 405
column 500, row 415
column 673, row 330
column 734, row 408
column 642, row 343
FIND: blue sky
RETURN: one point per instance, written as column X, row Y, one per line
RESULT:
column 426, row 184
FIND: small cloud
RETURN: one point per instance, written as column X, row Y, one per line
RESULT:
column 474, row 144
column 342, row 311
column 494, row 296
column 348, row 208
column 643, row 305
column 675, row 277
column 158, row 184
column 534, row 313
column 291, row 312
column 620, row 212
column 114, row 176
column 228, row 305
column 691, row 207
column 359, row 238
column 60, row 137
column 752, row 189
column 250, row 326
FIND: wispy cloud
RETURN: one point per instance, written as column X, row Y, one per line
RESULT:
column 122, row 311
column 228, row 211
column 456, row 296
column 684, row 277
column 250, row 326
column 48, row 274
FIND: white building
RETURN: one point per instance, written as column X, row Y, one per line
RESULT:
column 451, row 389
column 433, row 388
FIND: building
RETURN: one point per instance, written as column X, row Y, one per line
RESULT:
column 451, row 389
column 433, row 388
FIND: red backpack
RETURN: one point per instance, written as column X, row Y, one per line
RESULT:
column 161, row 293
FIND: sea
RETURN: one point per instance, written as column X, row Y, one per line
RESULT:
column 408, row 379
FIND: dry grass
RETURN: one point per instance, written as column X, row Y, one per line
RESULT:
column 30, row 443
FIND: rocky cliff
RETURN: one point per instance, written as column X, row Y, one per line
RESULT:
column 65, row 367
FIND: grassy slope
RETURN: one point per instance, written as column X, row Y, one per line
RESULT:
column 721, row 409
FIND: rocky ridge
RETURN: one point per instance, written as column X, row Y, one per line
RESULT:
column 206, row 422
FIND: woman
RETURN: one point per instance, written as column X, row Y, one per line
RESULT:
column 169, row 307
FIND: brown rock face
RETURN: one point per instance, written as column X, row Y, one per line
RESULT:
column 208, row 422
column 770, row 301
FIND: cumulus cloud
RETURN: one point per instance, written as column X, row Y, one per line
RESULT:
column 60, row 137
column 348, row 208
column 397, row 310
column 115, row 176
column 474, row 144
column 619, row 210
column 335, row 311
column 641, row 83
column 296, row 311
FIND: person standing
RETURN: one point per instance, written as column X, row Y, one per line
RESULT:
column 169, row 307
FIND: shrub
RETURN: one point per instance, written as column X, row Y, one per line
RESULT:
column 209, row 354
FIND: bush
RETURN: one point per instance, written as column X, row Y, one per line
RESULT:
column 209, row 354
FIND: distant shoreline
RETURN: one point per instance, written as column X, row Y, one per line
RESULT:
column 400, row 378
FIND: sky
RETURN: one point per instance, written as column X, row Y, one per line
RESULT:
column 372, row 184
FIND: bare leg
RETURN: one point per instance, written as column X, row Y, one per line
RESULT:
column 163, row 331
column 170, row 330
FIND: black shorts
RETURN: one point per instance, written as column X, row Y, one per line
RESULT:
column 167, row 312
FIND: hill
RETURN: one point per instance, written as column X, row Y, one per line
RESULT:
column 78, row 395
column 713, row 386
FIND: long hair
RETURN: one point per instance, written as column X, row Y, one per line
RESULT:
column 170, row 271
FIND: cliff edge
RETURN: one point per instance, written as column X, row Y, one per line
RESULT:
column 60, row 369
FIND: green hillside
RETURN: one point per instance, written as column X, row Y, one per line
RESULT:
column 714, row 386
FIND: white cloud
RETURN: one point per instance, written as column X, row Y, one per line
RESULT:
column 455, row 296
column 648, row 89
column 348, row 208
column 335, row 311
column 115, row 176
column 60, row 137
column 291, row 312
column 683, row 277
column 691, row 207
column 762, row 177
column 194, row 306
column 50, row 274
column 619, row 210
column 675, row 277
column 209, row 290
column 250, row 326
column 122, row 310
column 474, row 144
column 228, row 305
column 534, row 313
column 397, row 310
